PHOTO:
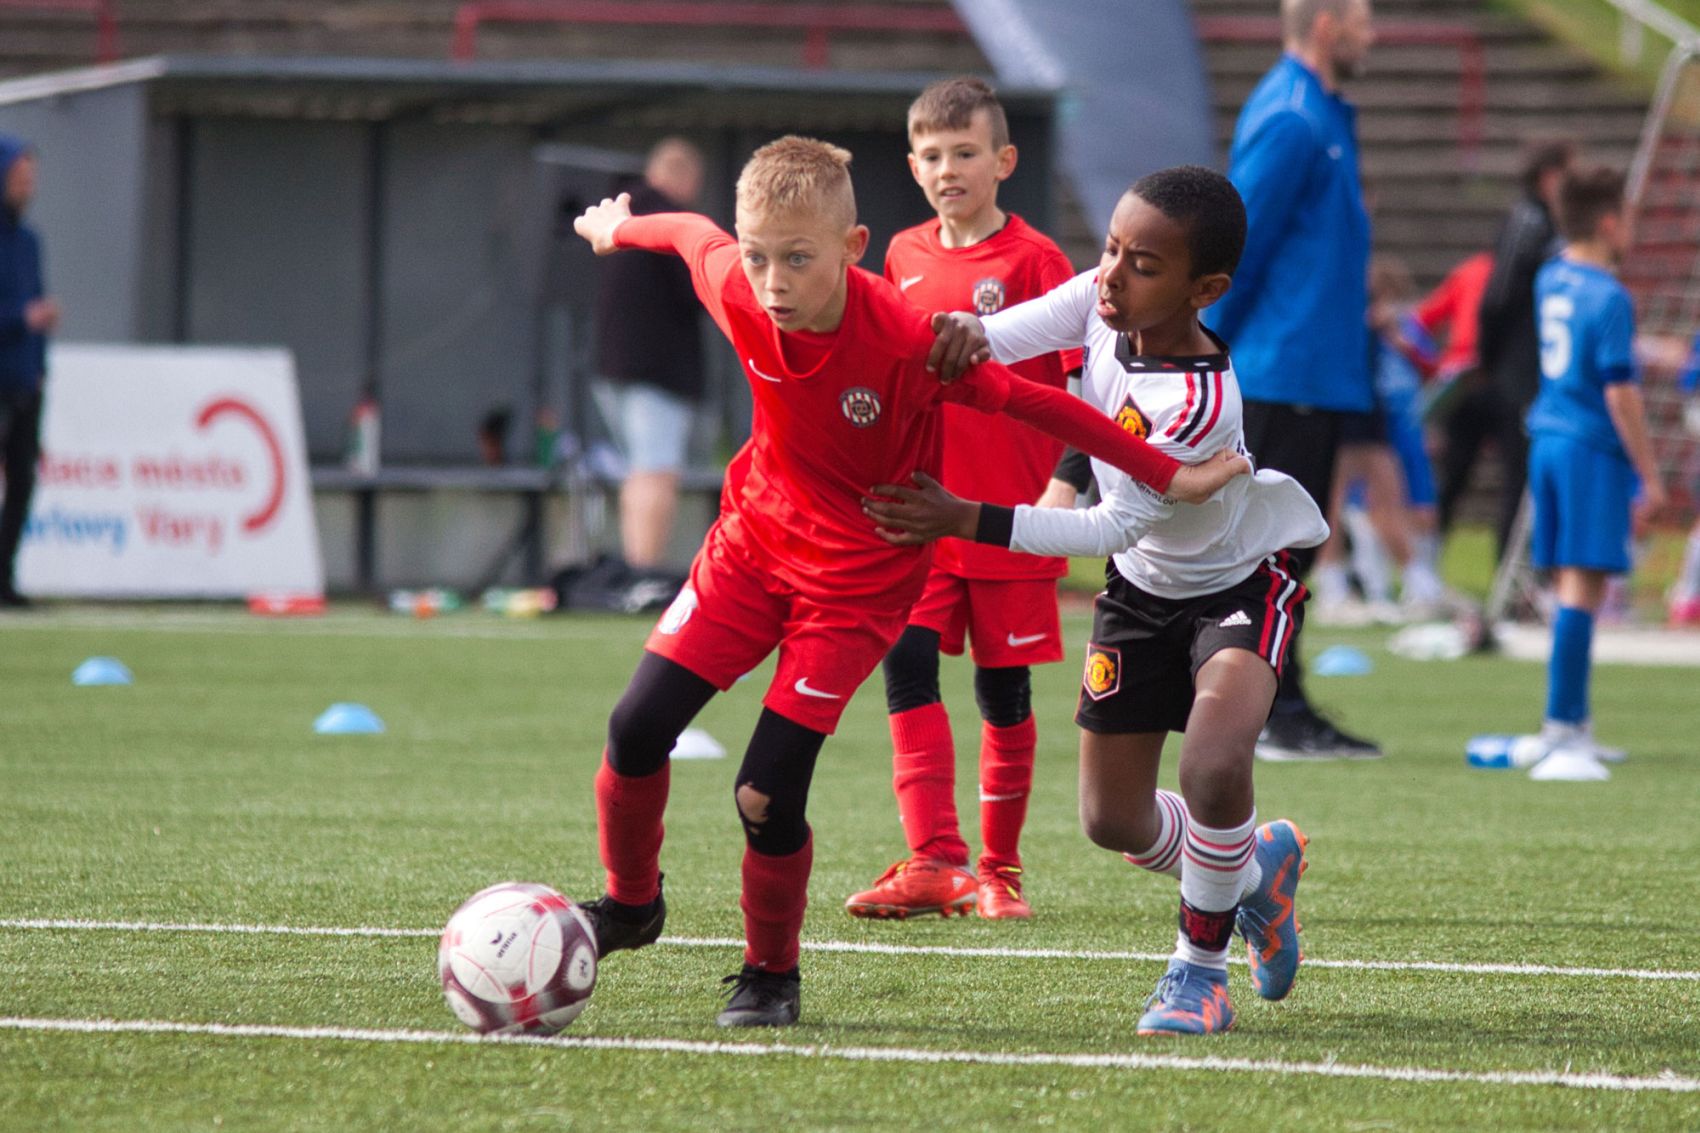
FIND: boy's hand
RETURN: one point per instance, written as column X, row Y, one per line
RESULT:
column 910, row 516
column 1195, row 483
column 598, row 222
column 961, row 343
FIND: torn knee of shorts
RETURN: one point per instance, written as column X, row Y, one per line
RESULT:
column 752, row 805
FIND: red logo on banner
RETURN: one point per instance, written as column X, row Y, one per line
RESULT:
column 258, row 519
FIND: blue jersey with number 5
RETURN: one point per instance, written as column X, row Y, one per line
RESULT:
column 1587, row 328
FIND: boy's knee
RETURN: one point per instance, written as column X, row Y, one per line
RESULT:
column 752, row 806
column 1101, row 827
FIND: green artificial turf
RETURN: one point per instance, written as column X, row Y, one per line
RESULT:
column 201, row 795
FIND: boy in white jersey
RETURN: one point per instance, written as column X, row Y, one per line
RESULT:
column 1199, row 607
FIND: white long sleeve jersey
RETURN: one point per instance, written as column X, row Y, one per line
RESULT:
column 1188, row 407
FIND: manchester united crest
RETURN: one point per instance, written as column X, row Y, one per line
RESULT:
column 861, row 406
column 988, row 296
column 1132, row 420
column 1103, row 675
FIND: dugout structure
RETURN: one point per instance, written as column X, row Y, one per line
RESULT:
column 403, row 226
column 1662, row 272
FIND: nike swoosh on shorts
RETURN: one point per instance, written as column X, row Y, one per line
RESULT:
column 802, row 686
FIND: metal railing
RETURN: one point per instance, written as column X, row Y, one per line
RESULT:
column 1637, row 17
column 1472, row 61
column 816, row 21
column 104, row 13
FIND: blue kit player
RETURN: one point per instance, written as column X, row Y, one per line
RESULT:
column 1589, row 455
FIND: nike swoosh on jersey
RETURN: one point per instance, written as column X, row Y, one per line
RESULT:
column 756, row 370
column 909, row 281
column 802, row 686
column 1017, row 642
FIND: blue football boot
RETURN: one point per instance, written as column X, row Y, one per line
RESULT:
column 1189, row 1000
column 1267, row 918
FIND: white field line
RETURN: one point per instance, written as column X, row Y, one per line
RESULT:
column 872, row 948
column 1664, row 1083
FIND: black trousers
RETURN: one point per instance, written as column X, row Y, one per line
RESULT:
column 20, row 443
column 1302, row 442
column 1482, row 415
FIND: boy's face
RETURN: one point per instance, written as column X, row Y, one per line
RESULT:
column 796, row 263
column 959, row 170
column 1145, row 273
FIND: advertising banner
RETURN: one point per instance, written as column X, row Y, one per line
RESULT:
column 171, row 472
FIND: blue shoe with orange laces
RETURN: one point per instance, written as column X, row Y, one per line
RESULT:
column 1189, row 1000
column 1267, row 918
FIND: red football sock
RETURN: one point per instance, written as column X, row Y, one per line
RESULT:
column 629, row 831
column 776, row 890
column 1006, row 779
column 924, row 779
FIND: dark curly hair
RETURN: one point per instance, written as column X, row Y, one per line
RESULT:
column 1207, row 205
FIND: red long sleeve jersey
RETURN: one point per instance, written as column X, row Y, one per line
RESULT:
column 837, row 413
column 997, row 460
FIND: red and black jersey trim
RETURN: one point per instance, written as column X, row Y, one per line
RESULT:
column 1204, row 385
column 1203, row 407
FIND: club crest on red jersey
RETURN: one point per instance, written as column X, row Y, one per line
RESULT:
column 1103, row 675
column 988, row 296
column 1132, row 420
column 861, row 406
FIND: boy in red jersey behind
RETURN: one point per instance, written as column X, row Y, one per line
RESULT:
column 972, row 257
column 843, row 400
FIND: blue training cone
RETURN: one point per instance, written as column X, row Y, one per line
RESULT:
column 1342, row 661
column 102, row 671
column 348, row 720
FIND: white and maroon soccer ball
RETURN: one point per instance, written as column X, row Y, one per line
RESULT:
column 517, row 958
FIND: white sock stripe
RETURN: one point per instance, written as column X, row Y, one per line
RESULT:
column 873, row 948
column 1209, row 1064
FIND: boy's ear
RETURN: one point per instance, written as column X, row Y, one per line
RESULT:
column 1006, row 162
column 855, row 244
column 1206, row 289
column 914, row 167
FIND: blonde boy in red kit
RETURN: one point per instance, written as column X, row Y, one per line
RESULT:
column 836, row 364
column 973, row 257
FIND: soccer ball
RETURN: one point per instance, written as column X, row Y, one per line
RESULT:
column 517, row 958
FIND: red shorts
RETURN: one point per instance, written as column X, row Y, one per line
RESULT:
column 731, row 615
column 1009, row 622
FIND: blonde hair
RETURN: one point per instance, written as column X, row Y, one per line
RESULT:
column 950, row 104
column 795, row 174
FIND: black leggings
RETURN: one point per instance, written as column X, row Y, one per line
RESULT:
column 779, row 764
column 1005, row 696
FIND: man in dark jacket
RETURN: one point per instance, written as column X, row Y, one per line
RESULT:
column 650, row 359
column 1295, row 316
column 1498, row 396
column 27, row 317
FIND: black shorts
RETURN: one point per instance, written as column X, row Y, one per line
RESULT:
column 1364, row 428
column 1145, row 650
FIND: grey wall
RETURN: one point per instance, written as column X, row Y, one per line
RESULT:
column 88, row 207
column 460, row 244
column 276, row 253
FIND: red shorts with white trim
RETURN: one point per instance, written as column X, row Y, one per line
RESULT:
column 1007, row 622
column 1146, row 651
column 731, row 615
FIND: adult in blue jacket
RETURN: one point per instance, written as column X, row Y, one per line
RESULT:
column 1295, row 315
column 27, row 317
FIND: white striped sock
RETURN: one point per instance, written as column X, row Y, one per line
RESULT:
column 1213, row 869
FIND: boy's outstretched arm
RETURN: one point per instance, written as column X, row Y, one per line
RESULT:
column 1074, row 422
